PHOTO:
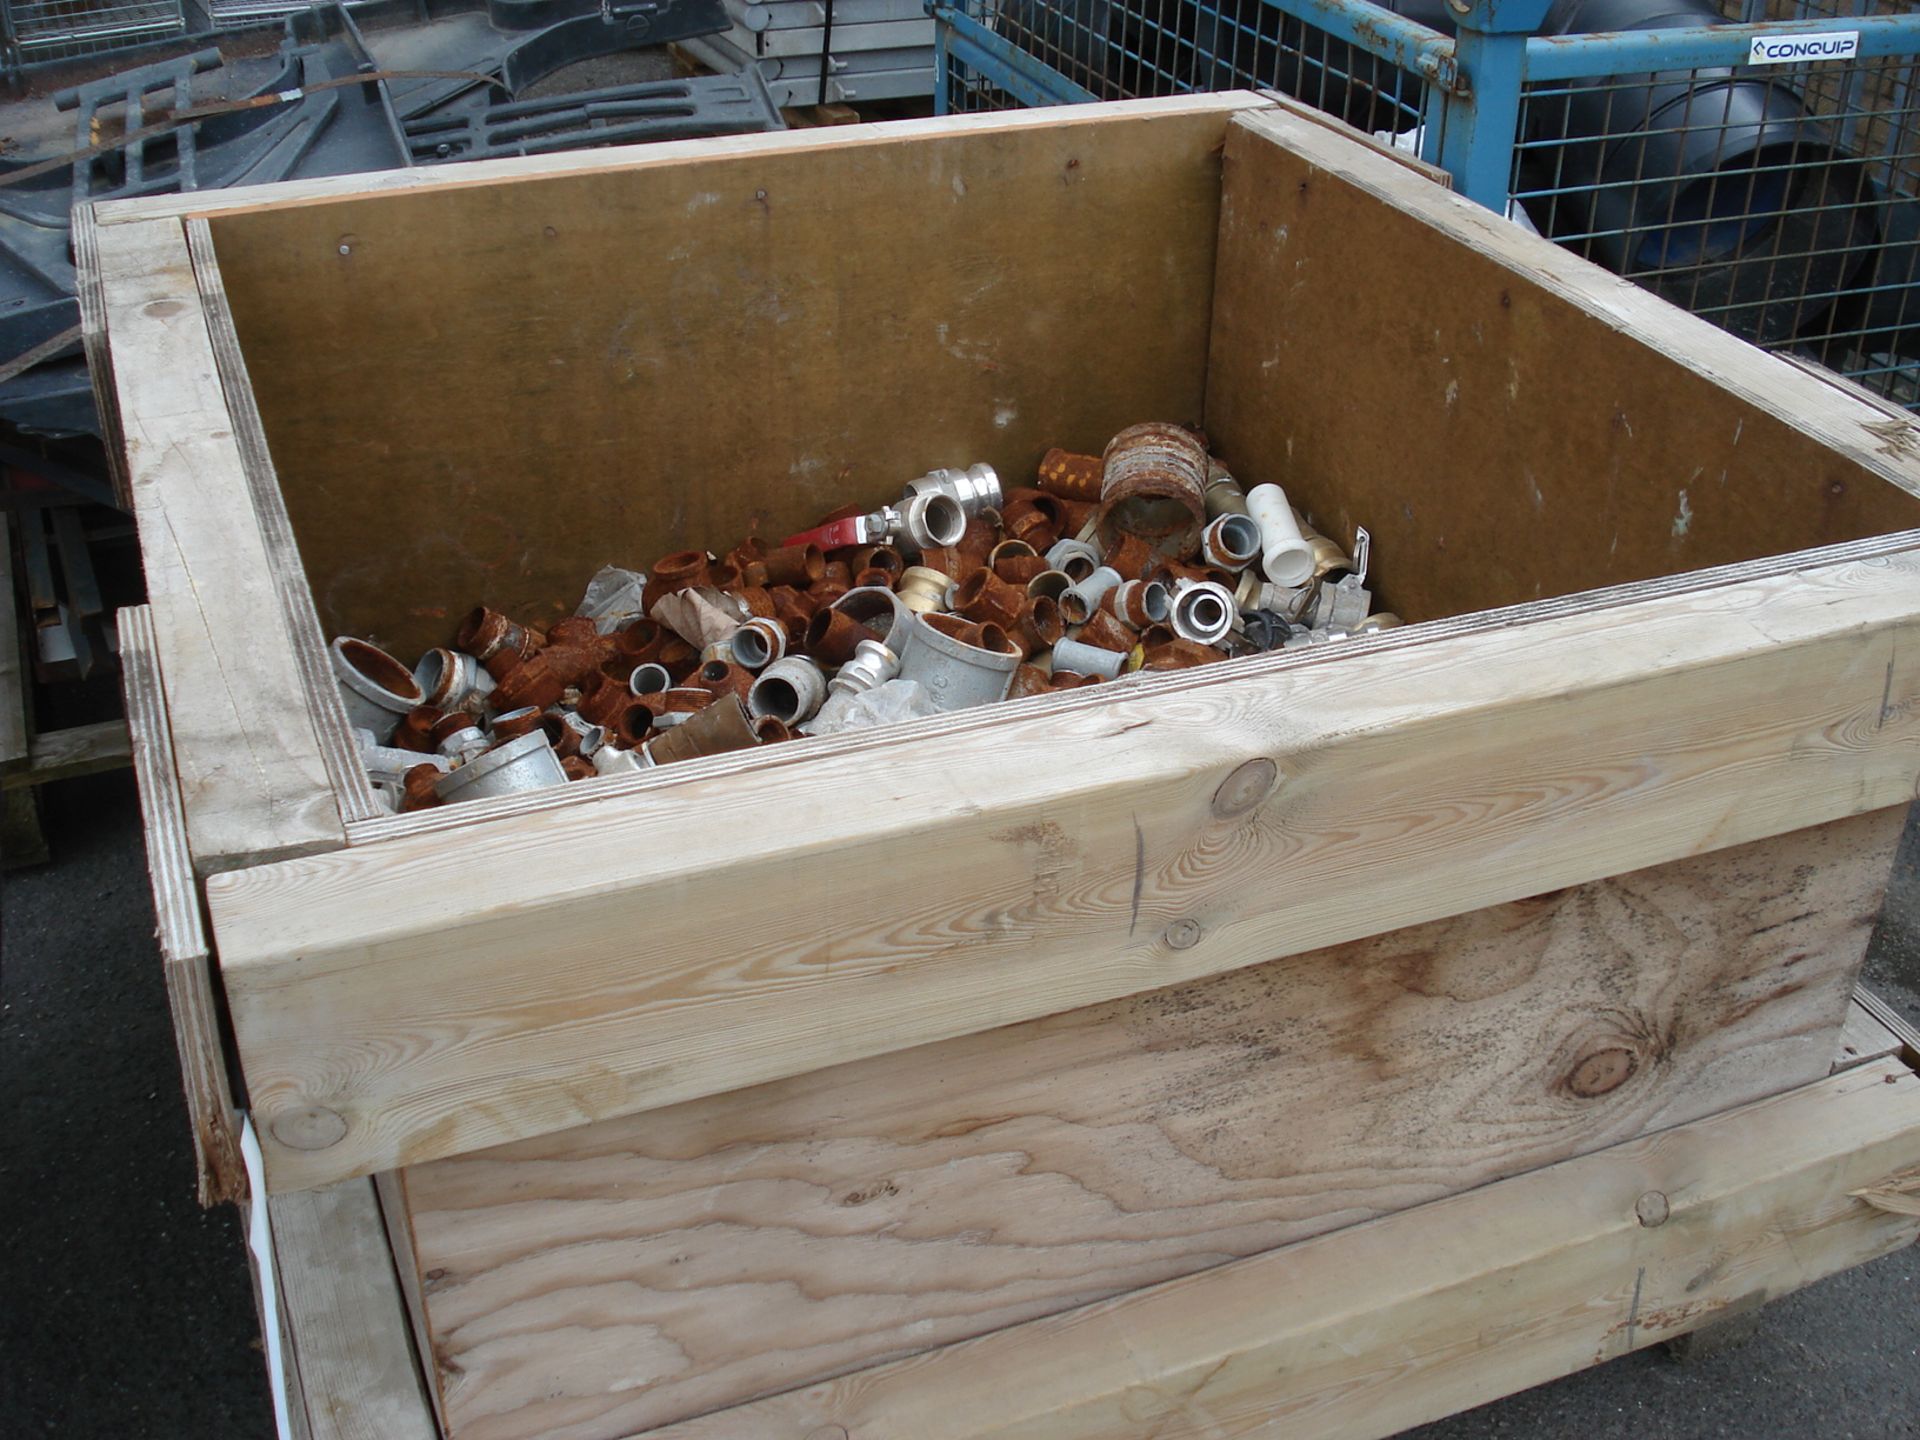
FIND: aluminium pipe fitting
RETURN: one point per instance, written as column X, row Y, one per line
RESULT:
column 1076, row 557
column 973, row 489
column 375, row 688
column 1285, row 554
column 791, row 690
column 1202, row 611
column 957, row 675
column 452, row 680
column 527, row 763
column 872, row 665
column 918, row 522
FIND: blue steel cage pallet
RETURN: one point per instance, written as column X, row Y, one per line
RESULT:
column 1775, row 196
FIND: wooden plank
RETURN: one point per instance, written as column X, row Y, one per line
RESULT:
column 1051, row 856
column 77, row 750
column 252, row 778
column 14, row 723
column 345, row 1322
column 750, row 275
column 1894, row 1023
column 185, row 961
column 1863, row 1038
column 1382, row 1326
column 1521, row 421
column 390, row 1188
column 785, row 1234
column 338, row 750
column 91, row 294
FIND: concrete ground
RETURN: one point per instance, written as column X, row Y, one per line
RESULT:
column 126, row 1311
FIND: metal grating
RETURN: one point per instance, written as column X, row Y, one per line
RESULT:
column 39, row 30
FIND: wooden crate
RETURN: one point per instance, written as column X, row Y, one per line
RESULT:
column 1023, row 1071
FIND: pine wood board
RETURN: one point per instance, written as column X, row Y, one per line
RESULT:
column 253, row 784
column 1373, row 1329
column 597, row 1283
column 74, row 751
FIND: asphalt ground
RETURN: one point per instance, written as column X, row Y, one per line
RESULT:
column 126, row 1311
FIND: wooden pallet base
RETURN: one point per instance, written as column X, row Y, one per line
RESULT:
column 1357, row 1333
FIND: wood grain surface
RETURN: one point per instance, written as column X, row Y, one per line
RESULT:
column 589, row 1285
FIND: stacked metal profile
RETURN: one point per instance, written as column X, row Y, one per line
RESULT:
column 868, row 49
column 1779, row 198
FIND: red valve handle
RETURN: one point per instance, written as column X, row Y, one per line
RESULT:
column 831, row 537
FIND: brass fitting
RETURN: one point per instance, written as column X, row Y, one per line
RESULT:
column 924, row 591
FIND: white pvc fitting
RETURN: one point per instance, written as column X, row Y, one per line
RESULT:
column 758, row 643
column 1071, row 657
column 1285, row 554
column 1202, row 611
column 1079, row 600
column 790, row 690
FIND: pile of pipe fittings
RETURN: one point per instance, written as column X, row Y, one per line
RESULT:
column 1148, row 558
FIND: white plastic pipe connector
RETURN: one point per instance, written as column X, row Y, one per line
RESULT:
column 790, row 690
column 1285, row 554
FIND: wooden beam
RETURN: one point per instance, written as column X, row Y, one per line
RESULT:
column 785, row 1234
column 1050, row 856
column 1383, row 1326
column 77, row 750
column 1865, row 1036
column 252, row 779
column 346, row 1327
column 185, row 963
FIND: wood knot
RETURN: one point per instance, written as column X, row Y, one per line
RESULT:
column 1245, row 788
column 163, row 309
column 309, row 1127
column 1183, row 934
column 1652, row 1209
column 1602, row 1072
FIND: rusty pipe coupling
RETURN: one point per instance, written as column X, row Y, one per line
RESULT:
column 758, row 643
column 1154, row 486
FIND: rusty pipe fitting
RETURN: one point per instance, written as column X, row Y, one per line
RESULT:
column 723, row 677
column 883, row 613
column 721, row 727
column 673, row 573
column 1071, row 476
column 534, row 681
column 791, row 689
column 832, row 636
column 1231, row 542
column 1050, row 584
column 770, row 729
column 956, row 673
column 527, row 763
column 795, row 565
column 984, row 596
column 486, row 633
column 871, row 578
column 749, row 552
column 1038, row 627
column 456, row 735
column 452, row 680
column 375, row 688
column 389, row 766
column 573, row 632
column 825, row 592
column 758, row 643
column 416, row 789
column 1134, row 558
column 576, row 767
column 1082, row 598
column 1033, row 516
column 1020, row 570
column 872, row 665
column 1139, row 603
column 793, row 609
column 512, row 724
column 680, row 700
column 1008, row 550
column 877, row 557
column 1179, row 655
column 1153, row 486
column 603, row 701
column 1202, row 611
column 569, row 734
column 1105, row 632
column 924, row 590
column 629, row 726
column 973, row 489
column 1072, row 657
column 1071, row 680
column 415, row 728
column 756, row 598
column 1028, row 679
column 639, row 642
column 1076, row 557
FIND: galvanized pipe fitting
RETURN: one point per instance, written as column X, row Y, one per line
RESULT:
column 1224, row 495
column 957, row 675
column 872, row 665
column 1071, row 657
column 609, row 761
column 1071, row 476
column 882, row 612
column 1140, row 603
column 519, row 765
column 375, row 688
column 791, row 690
column 758, row 643
column 1076, row 557
column 1231, row 542
column 923, row 590
column 650, row 679
column 722, row 726
column 1082, row 598
column 486, row 633
column 973, row 489
column 1286, row 556
column 451, row 680
column 1154, row 486
column 1202, row 611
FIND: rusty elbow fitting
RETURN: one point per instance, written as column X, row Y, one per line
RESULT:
column 723, row 677
column 673, row 573
column 1179, row 655
column 791, row 690
column 415, row 728
column 984, row 596
column 1028, row 679
column 1154, row 486
column 1071, row 476
column 486, row 633
column 1039, row 626
column 882, row 612
column 832, row 636
column 1107, row 633
column 1033, row 516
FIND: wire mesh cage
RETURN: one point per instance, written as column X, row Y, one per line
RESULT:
column 40, row 30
